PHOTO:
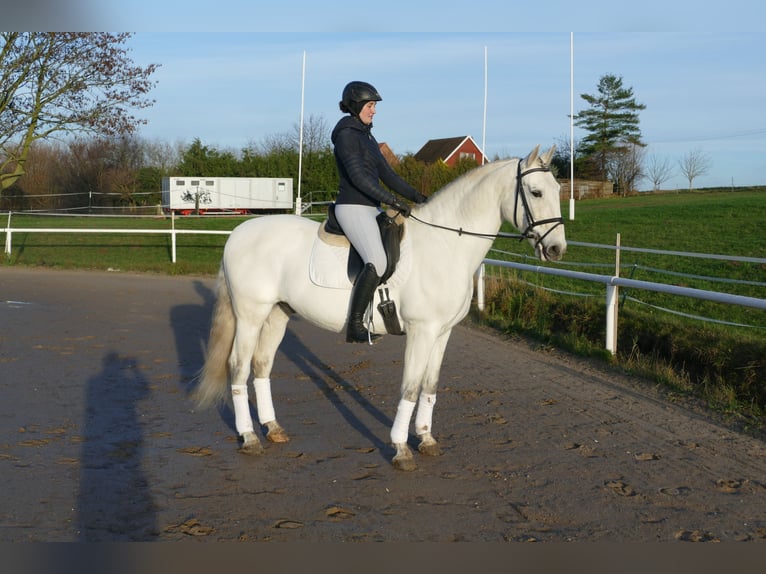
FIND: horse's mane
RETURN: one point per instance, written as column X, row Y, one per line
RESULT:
column 460, row 197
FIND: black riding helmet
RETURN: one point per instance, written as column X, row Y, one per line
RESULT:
column 355, row 95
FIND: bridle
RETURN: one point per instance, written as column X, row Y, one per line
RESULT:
column 527, row 233
column 532, row 223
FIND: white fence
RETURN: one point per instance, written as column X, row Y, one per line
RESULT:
column 612, row 283
column 173, row 232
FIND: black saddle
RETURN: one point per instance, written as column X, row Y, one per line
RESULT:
column 391, row 233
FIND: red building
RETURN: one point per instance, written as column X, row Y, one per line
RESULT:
column 450, row 151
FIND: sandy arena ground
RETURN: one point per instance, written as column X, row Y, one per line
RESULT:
column 99, row 440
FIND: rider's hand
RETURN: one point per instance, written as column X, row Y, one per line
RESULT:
column 402, row 208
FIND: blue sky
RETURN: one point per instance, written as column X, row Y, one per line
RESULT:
column 703, row 92
column 231, row 71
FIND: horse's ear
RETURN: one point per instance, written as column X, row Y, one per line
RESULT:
column 547, row 156
column 530, row 159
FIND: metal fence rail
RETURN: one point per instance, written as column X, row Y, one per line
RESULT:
column 611, row 282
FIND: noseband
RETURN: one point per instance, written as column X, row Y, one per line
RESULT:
column 528, row 233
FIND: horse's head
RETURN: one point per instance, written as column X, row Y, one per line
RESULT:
column 534, row 206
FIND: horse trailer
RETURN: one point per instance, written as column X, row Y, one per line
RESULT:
column 191, row 195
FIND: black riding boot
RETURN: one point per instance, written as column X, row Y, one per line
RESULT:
column 362, row 294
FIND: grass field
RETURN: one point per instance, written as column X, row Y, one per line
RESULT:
column 724, row 223
column 719, row 361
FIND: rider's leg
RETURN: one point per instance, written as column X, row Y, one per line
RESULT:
column 361, row 296
column 360, row 225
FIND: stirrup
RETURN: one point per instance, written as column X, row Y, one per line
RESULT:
column 368, row 337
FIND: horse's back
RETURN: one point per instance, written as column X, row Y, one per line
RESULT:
column 263, row 234
column 267, row 248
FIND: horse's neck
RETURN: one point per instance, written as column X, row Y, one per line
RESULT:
column 470, row 205
column 472, row 202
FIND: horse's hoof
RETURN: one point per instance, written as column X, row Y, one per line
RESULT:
column 403, row 459
column 251, row 445
column 406, row 464
column 277, row 435
column 251, row 449
column 429, row 449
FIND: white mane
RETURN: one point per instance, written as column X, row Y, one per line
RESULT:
column 473, row 190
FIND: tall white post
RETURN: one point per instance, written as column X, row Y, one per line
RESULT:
column 571, row 127
column 479, row 275
column 298, row 206
column 484, row 122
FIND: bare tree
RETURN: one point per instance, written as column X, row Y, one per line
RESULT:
column 162, row 155
column 43, row 181
column 658, row 170
column 562, row 156
column 316, row 138
column 694, row 164
column 52, row 82
column 316, row 134
column 625, row 167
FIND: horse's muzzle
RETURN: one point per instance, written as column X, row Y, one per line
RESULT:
column 553, row 252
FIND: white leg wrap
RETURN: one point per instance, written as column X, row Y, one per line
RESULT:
column 402, row 421
column 424, row 417
column 242, row 417
column 263, row 400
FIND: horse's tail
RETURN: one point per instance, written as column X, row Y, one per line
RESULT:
column 214, row 376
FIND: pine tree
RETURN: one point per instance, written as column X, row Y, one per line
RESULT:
column 612, row 122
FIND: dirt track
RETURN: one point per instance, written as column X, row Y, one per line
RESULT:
column 99, row 440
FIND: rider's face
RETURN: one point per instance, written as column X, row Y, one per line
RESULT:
column 367, row 112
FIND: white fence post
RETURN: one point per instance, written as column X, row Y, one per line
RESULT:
column 611, row 318
column 8, row 236
column 614, row 305
column 173, row 236
column 480, row 287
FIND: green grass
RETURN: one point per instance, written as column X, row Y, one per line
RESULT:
column 722, row 364
column 711, row 223
column 195, row 254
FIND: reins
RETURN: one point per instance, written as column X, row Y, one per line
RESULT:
column 526, row 234
column 460, row 231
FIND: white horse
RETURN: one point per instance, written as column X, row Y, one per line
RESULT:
column 264, row 278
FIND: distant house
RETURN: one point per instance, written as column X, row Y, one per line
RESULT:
column 390, row 156
column 450, row 151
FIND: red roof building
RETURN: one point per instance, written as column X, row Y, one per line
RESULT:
column 450, row 151
column 390, row 156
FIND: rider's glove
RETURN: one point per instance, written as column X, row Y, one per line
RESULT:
column 402, row 208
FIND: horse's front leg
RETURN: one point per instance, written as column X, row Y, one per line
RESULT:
column 403, row 459
column 422, row 363
column 427, row 400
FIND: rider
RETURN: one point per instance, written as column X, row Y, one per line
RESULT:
column 361, row 167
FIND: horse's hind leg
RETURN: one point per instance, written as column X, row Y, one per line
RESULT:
column 272, row 333
column 246, row 337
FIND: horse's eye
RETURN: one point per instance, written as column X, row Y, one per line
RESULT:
column 537, row 193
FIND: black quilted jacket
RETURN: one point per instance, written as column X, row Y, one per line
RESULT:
column 362, row 167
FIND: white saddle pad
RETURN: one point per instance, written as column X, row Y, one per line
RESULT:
column 328, row 263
